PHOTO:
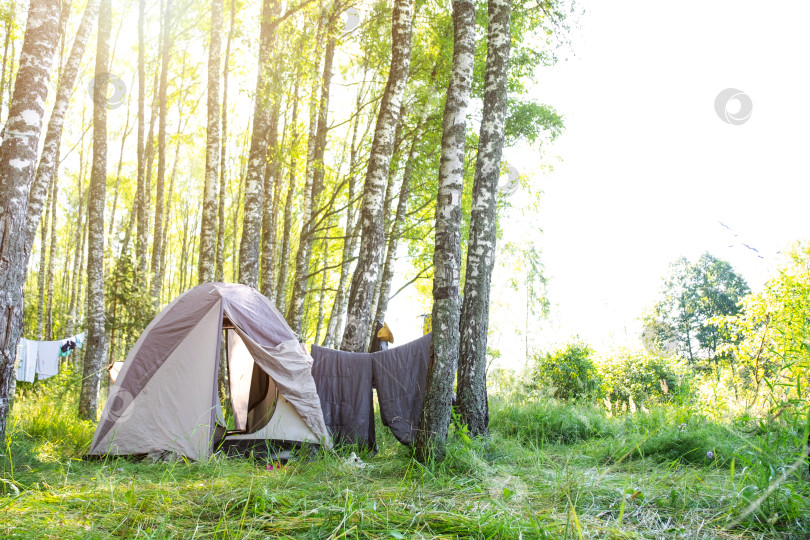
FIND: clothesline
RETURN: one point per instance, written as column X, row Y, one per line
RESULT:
column 41, row 358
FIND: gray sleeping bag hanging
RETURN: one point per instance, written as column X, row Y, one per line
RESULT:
column 344, row 381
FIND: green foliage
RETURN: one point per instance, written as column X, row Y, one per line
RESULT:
column 530, row 120
column 771, row 334
column 693, row 295
column 642, row 377
column 569, row 373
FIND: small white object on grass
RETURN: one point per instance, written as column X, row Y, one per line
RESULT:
column 354, row 461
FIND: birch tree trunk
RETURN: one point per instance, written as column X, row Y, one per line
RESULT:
column 53, row 135
column 322, row 296
column 52, row 256
column 284, row 258
column 79, row 241
column 141, row 190
column 96, row 342
column 272, row 191
column 335, row 327
column 9, row 24
column 433, row 424
column 472, row 381
column 373, row 237
column 157, row 244
column 317, row 171
column 223, row 155
column 43, row 252
column 254, row 192
column 402, row 208
column 388, row 201
column 208, row 223
column 18, row 154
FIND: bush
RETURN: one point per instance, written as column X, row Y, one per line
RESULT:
column 569, row 373
column 642, row 377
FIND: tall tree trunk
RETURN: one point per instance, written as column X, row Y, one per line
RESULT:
column 9, row 20
column 208, row 223
column 18, row 154
column 322, row 295
column 284, row 259
column 316, row 171
column 52, row 255
column 79, row 242
column 157, row 245
column 141, row 192
column 272, row 191
column 371, row 244
column 235, row 223
column 96, row 342
column 43, row 254
column 350, row 242
column 388, row 200
column 472, row 366
column 223, row 155
column 393, row 240
column 124, row 136
column 254, row 192
column 53, row 136
column 433, row 424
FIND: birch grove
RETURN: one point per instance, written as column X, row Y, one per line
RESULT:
column 316, row 150
column 472, row 382
column 435, row 418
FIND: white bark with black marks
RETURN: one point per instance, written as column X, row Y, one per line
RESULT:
column 223, row 155
column 472, row 381
column 254, row 187
column 53, row 136
column 373, row 237
column 142, row 195
column 157, row 243
column 317, row 170
column 208, row 223
column 396, row 226
column 96, row 349
column 18, row 154
column 433, row 424
column 284, row 256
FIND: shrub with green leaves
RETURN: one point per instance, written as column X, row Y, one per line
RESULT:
column 642, row 377
column 568, row 373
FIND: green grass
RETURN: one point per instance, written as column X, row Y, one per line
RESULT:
column 550, row 470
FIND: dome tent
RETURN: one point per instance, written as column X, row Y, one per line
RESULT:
column 166, row 399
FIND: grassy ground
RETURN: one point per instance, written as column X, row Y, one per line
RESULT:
column 549, row 471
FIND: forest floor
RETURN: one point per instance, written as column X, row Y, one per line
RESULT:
column 549, row 471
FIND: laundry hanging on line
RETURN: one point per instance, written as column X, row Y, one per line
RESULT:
column 42, row 357
column 344, row 381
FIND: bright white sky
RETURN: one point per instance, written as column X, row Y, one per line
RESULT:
column 647, row 170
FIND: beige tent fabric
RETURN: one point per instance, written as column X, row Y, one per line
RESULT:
column 286, row 424
column 240, row 373
column 114, row 370
column 290, row 367
column 173, row 411
column 165, row 396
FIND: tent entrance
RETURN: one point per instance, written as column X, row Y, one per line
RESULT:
column 253, row 394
